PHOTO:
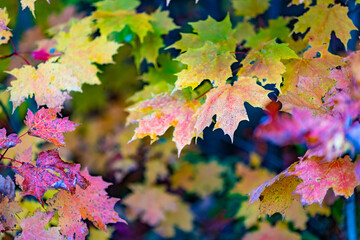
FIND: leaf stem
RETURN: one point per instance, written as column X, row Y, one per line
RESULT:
column 23, row 134
column 11, row 159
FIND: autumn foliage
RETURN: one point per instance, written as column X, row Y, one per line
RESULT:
column 126, row 73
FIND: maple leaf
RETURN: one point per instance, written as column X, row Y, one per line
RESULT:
column 165, row 111
column 202, row 178
column 49, row 171
column 266, row 231
column 46, row 125
column 150, row 204
column 309, row 95
column 250, row 8
column 275, row 195
column 322, row 21
column 207, row 53
column 338, row 174
column 91, row 203
column 250, row 178
column 155, row 170
column 227, row 103
column 5, row 33
column 249, row 212
column 211, row 61
column 8, row 141
column 277, row 29
column 243, row 31
column 33, row 227
column 47, row 85
column 114, row 20
column 297, row 214
column 265, row 64
column 8, row 210
column 29, row 4
column 218, row 32
column 182, row 219
column 80, row 52
column 316, row 63
column 149, row 47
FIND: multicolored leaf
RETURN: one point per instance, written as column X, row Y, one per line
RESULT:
column 45, row 124
column 49, row 172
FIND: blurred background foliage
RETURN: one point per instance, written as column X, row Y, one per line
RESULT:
column 202, row 194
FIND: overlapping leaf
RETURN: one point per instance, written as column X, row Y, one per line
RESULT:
column 91, row 203
column 155, row 116
column 227, row 103
column 80, row 52
column 45, row 124
column 49, row 172
column 8, row 211
column 266, row 64
column 33, row 228
column 319, row 176
column 322, row 21
column 209, row 54
column 50, row 84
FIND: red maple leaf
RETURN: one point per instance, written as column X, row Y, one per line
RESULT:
column 93, row 204
column 49, row 171
column 46, row 125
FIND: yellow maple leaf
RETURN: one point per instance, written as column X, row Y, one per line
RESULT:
column 182, row 218
column 80, row 52
column 202, row 178
column 50, row 83
column 250, row 178
column 184, row 176
column 155, row 169
column 322, row 21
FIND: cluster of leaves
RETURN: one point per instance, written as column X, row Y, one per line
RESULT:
column 219, row 66
column 318, row 88
column 68, row 61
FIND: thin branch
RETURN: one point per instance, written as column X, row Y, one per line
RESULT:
column 2, row 155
